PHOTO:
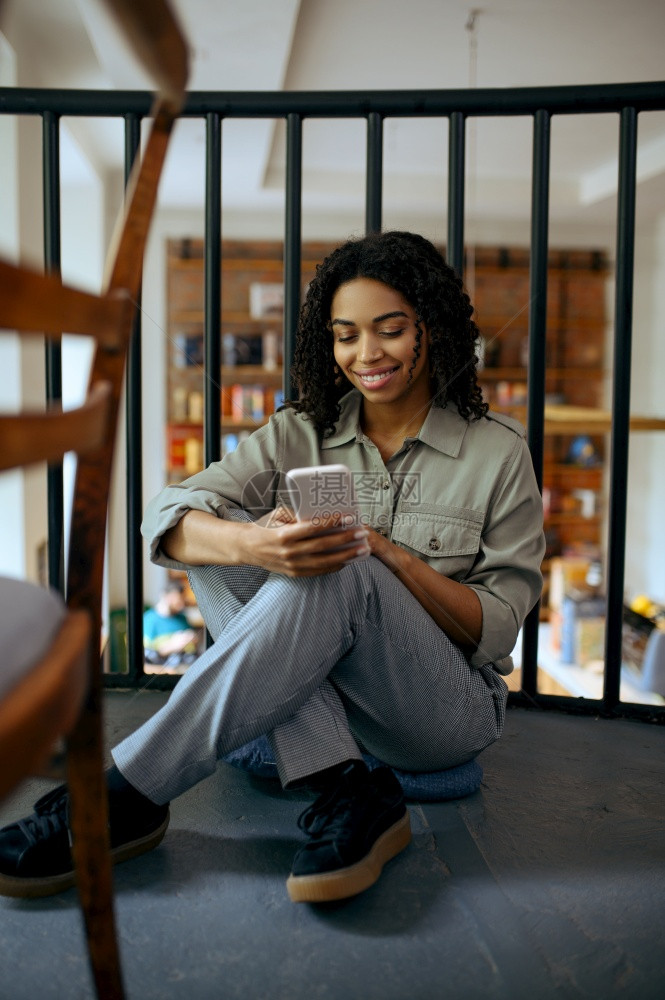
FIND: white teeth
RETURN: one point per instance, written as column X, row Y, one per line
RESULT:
column 373, row 378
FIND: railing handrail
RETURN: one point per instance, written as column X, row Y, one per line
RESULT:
column 486, row 101
column 627, row 100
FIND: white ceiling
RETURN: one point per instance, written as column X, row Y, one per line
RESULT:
column 378, row 44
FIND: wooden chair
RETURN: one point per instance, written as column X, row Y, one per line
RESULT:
column 58, row 691
column 43, row 686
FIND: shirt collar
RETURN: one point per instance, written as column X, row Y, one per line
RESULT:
column 443, row 429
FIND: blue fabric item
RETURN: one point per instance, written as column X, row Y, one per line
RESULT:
column 258, row 759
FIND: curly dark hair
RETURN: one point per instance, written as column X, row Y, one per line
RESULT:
column 412, row 266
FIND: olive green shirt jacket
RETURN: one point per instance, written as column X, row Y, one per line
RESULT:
column 461, row 495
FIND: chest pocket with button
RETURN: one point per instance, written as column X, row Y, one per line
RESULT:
column 448, row 538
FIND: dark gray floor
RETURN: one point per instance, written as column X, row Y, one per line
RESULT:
column 548, row 882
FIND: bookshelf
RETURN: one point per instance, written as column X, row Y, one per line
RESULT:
column 251, row 374
column 252, row 339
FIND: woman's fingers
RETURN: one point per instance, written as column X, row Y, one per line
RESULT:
column 317, row 564
column 304, row 548
column 327, row 532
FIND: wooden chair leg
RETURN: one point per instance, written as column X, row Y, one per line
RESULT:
column 90, row 849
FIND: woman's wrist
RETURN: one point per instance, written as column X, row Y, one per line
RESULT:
column 385, row 550
column 401, row 561
column 239, row 547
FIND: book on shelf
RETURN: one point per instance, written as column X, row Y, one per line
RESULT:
column 263, row 348
column 250, row 402
column 188, row 350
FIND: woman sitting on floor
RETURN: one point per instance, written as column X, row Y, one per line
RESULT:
column 389, row 635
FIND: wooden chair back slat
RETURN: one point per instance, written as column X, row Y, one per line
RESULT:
column 152, row 30
column 28, row 438
column 34, row 302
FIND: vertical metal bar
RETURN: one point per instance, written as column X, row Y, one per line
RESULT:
column 456, row 160
column 212, row 340
column 212, row 298
column 374, row 177
column 537, row 334
column 134, row 453
column 292, row 244
column 538, row 288
column 623, row 329
column 53, row 348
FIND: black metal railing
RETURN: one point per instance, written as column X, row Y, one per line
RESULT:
column 540, row 104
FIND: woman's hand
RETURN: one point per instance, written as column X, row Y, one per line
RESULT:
column 281, row 544
column 276, row 541
column 281, row 515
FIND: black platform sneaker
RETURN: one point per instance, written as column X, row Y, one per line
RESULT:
column 354, row 827
column 35, row 855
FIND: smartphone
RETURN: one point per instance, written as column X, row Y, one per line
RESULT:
column 317, row 491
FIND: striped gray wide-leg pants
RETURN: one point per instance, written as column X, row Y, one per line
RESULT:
column 324, row 665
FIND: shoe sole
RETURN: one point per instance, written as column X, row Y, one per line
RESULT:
column 329, row 886
column 49, row 885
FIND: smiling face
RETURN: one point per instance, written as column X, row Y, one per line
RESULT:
column 375, row 343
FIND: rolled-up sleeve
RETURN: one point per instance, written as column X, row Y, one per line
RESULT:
column 242, row 479
column 506, row 574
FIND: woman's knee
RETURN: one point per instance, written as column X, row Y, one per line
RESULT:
column 221, row 591
column 371, row 571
